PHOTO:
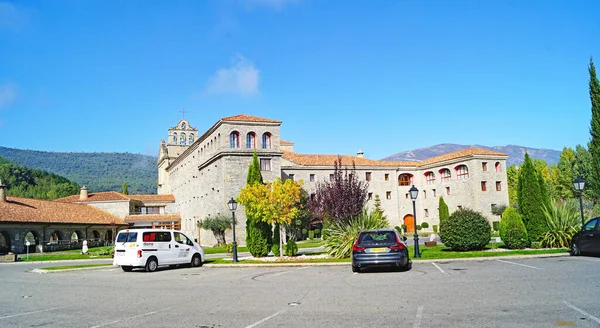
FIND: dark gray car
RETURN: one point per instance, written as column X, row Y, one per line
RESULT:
column 383, row 247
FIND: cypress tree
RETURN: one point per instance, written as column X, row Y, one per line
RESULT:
column 258, row 233
column 125, row 191
column 443, row 211
column 530, row 198
column 594, row 144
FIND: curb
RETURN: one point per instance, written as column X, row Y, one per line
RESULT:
column 468, row 259
column 42, row 271
column 55, row 261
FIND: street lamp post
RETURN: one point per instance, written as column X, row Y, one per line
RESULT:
column 579, row 183
column 232, row 207
column 414, row 192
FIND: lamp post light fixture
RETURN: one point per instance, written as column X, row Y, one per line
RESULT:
column 232, row 207
column 414, row 192
column 579, row 183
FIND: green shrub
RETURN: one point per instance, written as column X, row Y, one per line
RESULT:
column 304, row 232
column 465, row 230
column 512, row 230
column 403, row 227
column 317, row 233
column 398, row 229
column 229, row 248
column 435, row 228
column 424, row 225
column 275, row 249
column 260, row 236
column 418, row 227
column 536, row 245
column 496, row 225
column 340, row 236
column 275, row 245
column 290, row 249
column 311, row 234
column 562, row 221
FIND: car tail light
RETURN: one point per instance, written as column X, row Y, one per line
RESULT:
column 139, row 253
column 356, row 248
column 396, row 247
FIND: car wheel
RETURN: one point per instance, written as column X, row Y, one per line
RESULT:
column 575, row 250
column 151, row 265
column 127, row 268
column 196, row 261
column 406, row 267
column 356, row 269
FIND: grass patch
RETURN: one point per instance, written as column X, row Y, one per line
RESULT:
column 66, row 267
column 310, row 243
column 220, row 250
column 57, row 257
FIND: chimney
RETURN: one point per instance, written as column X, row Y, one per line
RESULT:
column 2, row 192
column 83, row 194
column 360, row 154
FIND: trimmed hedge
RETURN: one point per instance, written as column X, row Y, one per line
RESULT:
column 465, row 230
column 512, row 230
column 424, row 225
column 290, row 249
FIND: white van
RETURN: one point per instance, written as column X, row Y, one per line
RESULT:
column 149, row 248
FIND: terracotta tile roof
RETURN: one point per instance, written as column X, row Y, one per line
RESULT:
column 154, row 217
column 17, row 209
column 248, row 118
column 285, row 143
column 328, row 160
column 106, row 196
column 461, row 153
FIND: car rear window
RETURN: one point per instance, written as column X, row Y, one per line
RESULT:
column 376, row 238
column 127, row 237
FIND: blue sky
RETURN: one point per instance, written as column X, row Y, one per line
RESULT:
column 381, row 76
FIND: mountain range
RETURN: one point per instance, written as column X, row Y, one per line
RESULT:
column 515, row 153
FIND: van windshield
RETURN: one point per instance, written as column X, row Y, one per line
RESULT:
column 127, row 237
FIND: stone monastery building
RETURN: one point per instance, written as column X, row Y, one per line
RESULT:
column 204, row 171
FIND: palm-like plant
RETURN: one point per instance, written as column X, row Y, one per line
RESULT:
column 340, row 236
column 563, row 222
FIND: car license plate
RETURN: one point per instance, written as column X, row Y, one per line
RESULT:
column 378, row 250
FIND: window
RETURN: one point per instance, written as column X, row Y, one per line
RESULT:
column 312, row 196
column 426, row 213
column 331, row 177
column 156, row 236
column 446, row 176
column 387, row 177
column 175, row 138
column 498, row 168
column 405, row 179
column 433, row 192
column 312, row 178
column 430, row 177
column 370, row 196
column 234, row 139
column 368, row 176
column 406, row 195
column 462, row 172
column 266, row 141
column 265, row 164
column 484, row 166
column 127, row 237
column 191, row 138
column 498, row 186
column 291, row 176
column 182, row 239
column 182, row 139
column 388, row 195
column 591, row 225
column 447, row 190
column 425, row 194
column 483, row 186
column 251, row 140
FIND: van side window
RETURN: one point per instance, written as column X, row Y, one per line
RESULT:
column 149, row 236
column 182, row 239
column 163, row 236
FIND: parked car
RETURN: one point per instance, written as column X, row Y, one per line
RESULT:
column 587, row 241
column 383, row 247
column 149, row 248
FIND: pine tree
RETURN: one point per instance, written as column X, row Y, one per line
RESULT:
column 377, row 209
column 530, row 199
column 443, row 211
column 258, row 233
column 125, row 192
column 594, row 144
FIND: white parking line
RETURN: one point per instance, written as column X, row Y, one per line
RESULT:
column 581, row 311
column 265, row 319
column 418, row 317
column 523, row 265
column 438, row 267
column 135, row 316
column 26, row 313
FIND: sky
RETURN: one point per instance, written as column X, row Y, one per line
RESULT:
column 342, row 76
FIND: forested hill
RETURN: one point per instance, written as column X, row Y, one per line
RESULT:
column 97, row 171
column 24, row 182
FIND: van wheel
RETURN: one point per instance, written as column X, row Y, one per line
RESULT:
column 127, row 268
column 196, row 261
column 151, row 265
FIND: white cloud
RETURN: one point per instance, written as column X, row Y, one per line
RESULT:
column 8, row 94
column 11, row 16
column 275, row 4
column 241, row 78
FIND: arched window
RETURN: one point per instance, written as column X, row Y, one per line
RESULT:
column 498, row 167
column 75, row 236
column 430, row 177
column 4, row 242
column 95, row 235
column 462, row 172
column 174, row 138
column 234, row 139
column 182, row 139
column 405, row 179
column 445, row 175
column 191, row 138
column 55, row 237
column 266, row 141
column 251, row 140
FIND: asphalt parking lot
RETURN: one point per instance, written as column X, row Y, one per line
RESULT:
column 540, row 292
